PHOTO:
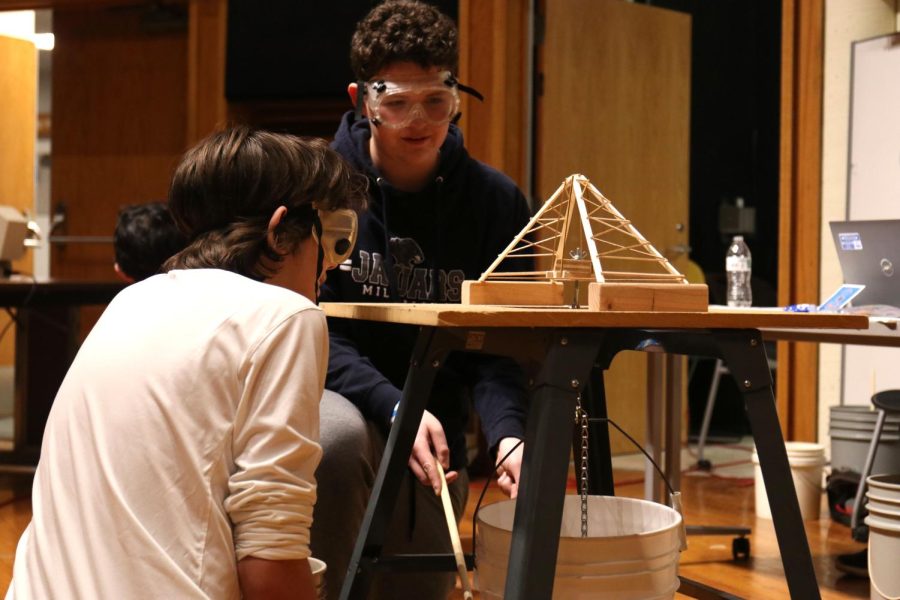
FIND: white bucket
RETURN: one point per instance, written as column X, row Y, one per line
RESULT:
column 884, row 536
column 806, row 460
column 631, row 551
column 318, row 568
column 851, row 429
column 884, row 548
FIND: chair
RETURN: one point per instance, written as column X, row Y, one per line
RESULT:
column 887, row 401
column 719, row 370
column 763, row 295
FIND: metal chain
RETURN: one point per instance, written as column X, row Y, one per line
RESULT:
column 581, row 418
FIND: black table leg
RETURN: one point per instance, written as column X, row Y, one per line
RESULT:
column 429, row 352
column 535, row 537
column 745, row 356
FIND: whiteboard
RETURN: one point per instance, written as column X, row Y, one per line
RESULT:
column 874, row 156
column 873, row 187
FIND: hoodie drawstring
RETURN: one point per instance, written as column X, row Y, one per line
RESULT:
column 393, row 292
column 433, row 294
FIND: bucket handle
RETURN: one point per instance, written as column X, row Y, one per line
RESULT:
column 674, row 497
column 484, row 491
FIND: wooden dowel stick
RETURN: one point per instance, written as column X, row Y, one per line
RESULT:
column 454, row 534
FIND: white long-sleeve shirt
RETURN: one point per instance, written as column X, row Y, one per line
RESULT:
column 183, row 439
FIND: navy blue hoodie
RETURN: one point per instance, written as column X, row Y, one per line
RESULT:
column 450, row 231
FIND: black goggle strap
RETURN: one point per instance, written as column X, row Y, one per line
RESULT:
column 360, row 99
column 453, row 81
column 320, row 258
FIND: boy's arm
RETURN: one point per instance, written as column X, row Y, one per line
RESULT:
column 499, row 396
column 274, row 442
column 353, row 376
column 262, row 579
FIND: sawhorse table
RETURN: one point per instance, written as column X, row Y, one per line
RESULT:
column 562, row 348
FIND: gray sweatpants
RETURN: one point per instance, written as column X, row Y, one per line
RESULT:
column 352, row 450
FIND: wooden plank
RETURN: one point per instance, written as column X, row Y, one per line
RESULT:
column 457, row 315
column 514, row 293
column 671, row 297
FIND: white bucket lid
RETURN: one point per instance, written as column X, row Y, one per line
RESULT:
column 804, row 448
column 800, row 454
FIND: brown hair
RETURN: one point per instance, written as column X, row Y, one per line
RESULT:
column 403, row 30
column 227, row 187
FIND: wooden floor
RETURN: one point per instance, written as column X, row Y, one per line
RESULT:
column 707, row 501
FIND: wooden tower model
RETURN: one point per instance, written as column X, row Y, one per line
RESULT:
column 580, row 237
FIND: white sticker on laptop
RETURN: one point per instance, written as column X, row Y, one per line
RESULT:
column 850, row 241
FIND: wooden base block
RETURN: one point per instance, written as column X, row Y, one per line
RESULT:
column 513, row 293
column 672, row 297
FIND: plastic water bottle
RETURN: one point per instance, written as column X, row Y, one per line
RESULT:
column 738, row 265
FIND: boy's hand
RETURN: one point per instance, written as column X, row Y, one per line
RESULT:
column 431, row 442
column 508, row 473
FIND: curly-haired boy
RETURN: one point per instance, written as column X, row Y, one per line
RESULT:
column 436, row 217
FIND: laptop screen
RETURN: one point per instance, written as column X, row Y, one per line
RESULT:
column 869, row 253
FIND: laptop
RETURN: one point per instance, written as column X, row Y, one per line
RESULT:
column 869, row 252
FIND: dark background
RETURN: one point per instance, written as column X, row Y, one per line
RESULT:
column 294, row 49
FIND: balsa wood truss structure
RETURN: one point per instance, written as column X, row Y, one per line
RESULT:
column 581, row 237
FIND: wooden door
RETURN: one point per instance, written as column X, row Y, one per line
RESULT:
column 119, row 127
column 614, row 105
column 18, row 130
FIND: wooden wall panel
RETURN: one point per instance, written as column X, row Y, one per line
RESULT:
column 207, row 109
column 800, row 205
column 18, row 130
column 119, row 124
column 493, row 59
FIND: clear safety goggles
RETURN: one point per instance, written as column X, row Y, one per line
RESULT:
column 396, row 104
column 336, row 234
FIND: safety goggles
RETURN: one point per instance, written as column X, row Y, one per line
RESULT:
column 395, row 104
column 336, row 234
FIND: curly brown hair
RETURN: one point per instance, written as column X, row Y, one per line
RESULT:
column 227, row 187
column 403, row 30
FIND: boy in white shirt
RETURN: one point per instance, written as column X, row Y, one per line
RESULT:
column 178, row 460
